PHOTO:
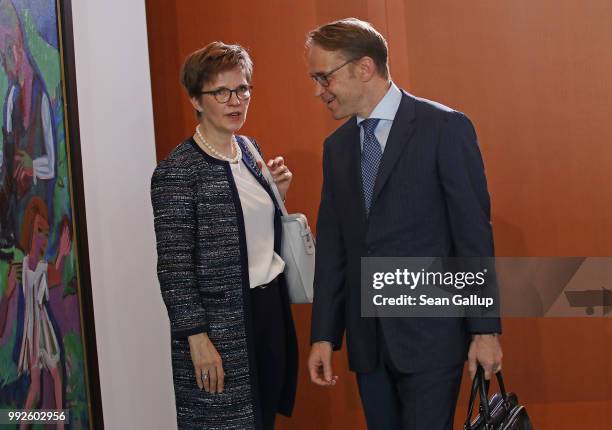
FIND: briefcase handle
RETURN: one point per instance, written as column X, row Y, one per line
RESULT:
column 480, row 385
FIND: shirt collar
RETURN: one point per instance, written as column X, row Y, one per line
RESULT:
column 388, row 106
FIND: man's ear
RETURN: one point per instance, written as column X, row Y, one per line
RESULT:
column 196, row 104
column 367, row 68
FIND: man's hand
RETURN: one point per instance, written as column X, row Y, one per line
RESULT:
column 319, row 364
column 486, row 351
column 207, row 363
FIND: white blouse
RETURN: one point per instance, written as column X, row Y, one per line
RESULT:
column 258, row 213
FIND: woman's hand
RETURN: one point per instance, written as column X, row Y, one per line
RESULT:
column 281, row 174
column 206, row 363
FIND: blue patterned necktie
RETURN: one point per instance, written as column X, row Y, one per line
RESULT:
column 371, row 155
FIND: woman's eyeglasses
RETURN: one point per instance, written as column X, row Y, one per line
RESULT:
column 223, row 95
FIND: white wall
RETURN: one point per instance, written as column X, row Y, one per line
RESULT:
column 116, row 119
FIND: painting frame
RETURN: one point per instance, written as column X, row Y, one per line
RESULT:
column 71, row 124
column 80, row 269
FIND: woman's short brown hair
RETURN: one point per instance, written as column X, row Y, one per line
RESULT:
column 355, row 39
column 203, row 65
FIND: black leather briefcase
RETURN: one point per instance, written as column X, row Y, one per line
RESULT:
column 501, row 412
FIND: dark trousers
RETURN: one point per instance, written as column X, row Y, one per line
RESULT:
column 423, row 400
column 270, row 348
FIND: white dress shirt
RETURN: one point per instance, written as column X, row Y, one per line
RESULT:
column 258, row 214
column 385, row 111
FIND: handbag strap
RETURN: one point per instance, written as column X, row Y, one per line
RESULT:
column 475, row 385
column 481, row 386
column 502, row 387
column 485, row 411
column 267, row 175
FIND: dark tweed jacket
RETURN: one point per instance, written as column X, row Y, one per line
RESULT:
column 203, row 274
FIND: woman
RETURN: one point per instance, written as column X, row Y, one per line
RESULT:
column 234, row 348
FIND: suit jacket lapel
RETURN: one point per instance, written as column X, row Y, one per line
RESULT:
column 401, row 132
column 250, row 161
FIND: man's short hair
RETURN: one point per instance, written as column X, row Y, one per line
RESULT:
column 355, row 39
column 202, row 66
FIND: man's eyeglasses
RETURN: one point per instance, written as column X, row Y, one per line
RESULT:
column 223, row 95
column 323, row 78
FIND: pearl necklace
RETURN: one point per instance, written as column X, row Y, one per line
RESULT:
column 217, row 154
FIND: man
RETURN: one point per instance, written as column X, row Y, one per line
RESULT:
column 402, row 177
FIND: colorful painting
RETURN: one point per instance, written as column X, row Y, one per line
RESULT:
column 45, row 319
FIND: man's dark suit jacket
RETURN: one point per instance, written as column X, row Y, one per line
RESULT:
column 430, row 200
